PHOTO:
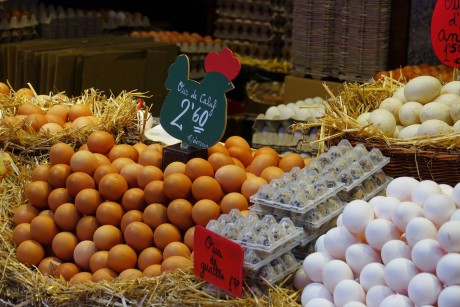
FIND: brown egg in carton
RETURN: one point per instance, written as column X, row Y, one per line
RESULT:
column 255, row 10
column 16, row 25
column 246, row 29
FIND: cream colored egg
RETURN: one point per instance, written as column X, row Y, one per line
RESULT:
column 393, row 105
column 409, row 132
column 399, row 93
column 384, row 120
column 435, row 110
column 433, row 127
column 455, row 112
column 408, row 113
column 452, row 87
column 448, row 99
column 422, row 89
column 456, row 126
column 363, row 119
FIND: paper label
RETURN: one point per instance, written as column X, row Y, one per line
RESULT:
column 445, row 32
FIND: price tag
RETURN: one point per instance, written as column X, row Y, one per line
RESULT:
column 218, row 261
column 196, row 112
column 445, row 32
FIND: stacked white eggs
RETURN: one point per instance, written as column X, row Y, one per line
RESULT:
column 402, row 249
column 421, row 107
column 309, row 109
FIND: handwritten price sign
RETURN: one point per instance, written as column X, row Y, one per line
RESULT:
column 445, row 32
column 218, row 260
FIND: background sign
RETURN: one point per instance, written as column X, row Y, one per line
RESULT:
column 445, row 32
column 218, row 261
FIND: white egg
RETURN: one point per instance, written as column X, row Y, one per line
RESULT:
column 319, row 302
column 318, row 100
column 456, row 195
column 300, row 103
column 334, row 272
column 420, row 228
column 348, row 291
column 448, row 99
column 449, row 236
column 435, row 110
column 449, row 296
column 456, row 126
column 424, row 289
column 273, row 113
column 401, row 188
column 281, row 107
column 426, row 253
column 384, row 120
column 377, row 294
column 290, row 104
column 399, row 93
column 409, row 113
column 337, row 240
column 433, row 127
column 314, row 290
column 383, row 208
column 409, row 132
column 356, row 215
column 438, row 209
column 380, row 231
column 452, row 87
column 398, row 273
column 423, row 190
column 359, row 255
column 354, row 304
column 393, row 105
column 319, row 245
column 313, row 265
column 374, row 200
column 448, row 269
column 372, row 275
column 339, row 221
column 422, row 89
column 301, row 279
column 396, row 300
column 363, row 119
column 395, row 249
column 302, row 114
column 446, row 189
column 404, row 212
column 455, row 216
column 309, row 102
column 287, row 113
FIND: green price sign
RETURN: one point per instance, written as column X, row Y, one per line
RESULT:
column 196, row 112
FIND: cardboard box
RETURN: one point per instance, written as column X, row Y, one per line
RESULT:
column 296, row 88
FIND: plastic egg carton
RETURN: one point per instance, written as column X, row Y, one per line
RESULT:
column 366, row 190
column 265, row 235
column 254, row 259
column 276, row 270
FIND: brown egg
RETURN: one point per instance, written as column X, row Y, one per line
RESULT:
column 123, row 151
column 99, row 260
column 271, row 172
column 50, row 129
column 84, row 161
column 102, row 170
column 251, row 186
column 37, row 193
column 176, row 249
column 148, row 257
column 148, row 174
column 24, row 92
column 238, row 163
column 165, row 234
column 119, row 163
column 40, row 172
column 206, row 187
column 83, row 147
column 81, row 278
column 63, row 245
column 105, row 274
column 100, row 142
column 21, row 233
column 238, row 141
column 55, row 119
column 218, row 147
column 109, row 213
column 242, row 154
column 29, row 108
column 83, row 252
column 11, row 121
column 67, row 217
column 133, row 199
column 66, row 270
column 266, row 150
column 261, row 162
column 153, row 193
column 102, row 160
column 138, row 235
column 230, row 178
column 4, row 88
column 130, row 274
column 61, row 153
column 86, row 227
column 47, row 212
column 130, row 172
column 79, row 110
column 87, row 201
column 177, row 186
column 205, row 210
column 218, row 159
column 59, row 111
column 189, row 237
column 176, row 262
column 122, row 257
column 48, row 265
column 107, row 236
column 197, row 167
column 43, row 229
column 156, row 146
column 24, row 214
column 290, row 161
column 112, row 186
column 233, row 200
column 58, row 174
column 140, row 147
column 150, row 157
column 179, row 213
column 153, row 270
column 155, row 214
column 58, row 197
column 129, row 217
column 82, row 123
column 30, row 252
column 94, row 119
column 174, row 167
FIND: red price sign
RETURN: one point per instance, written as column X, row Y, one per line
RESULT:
column 445, row 32
column 218, row 261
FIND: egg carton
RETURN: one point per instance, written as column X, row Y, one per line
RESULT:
column 276, row 270
column 265, row 235
column 254, row 260
column 369, row 188
column 15, row 23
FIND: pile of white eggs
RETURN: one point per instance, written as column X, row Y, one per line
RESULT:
column 402, row 249
column 309, row 109
column 424, row 106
